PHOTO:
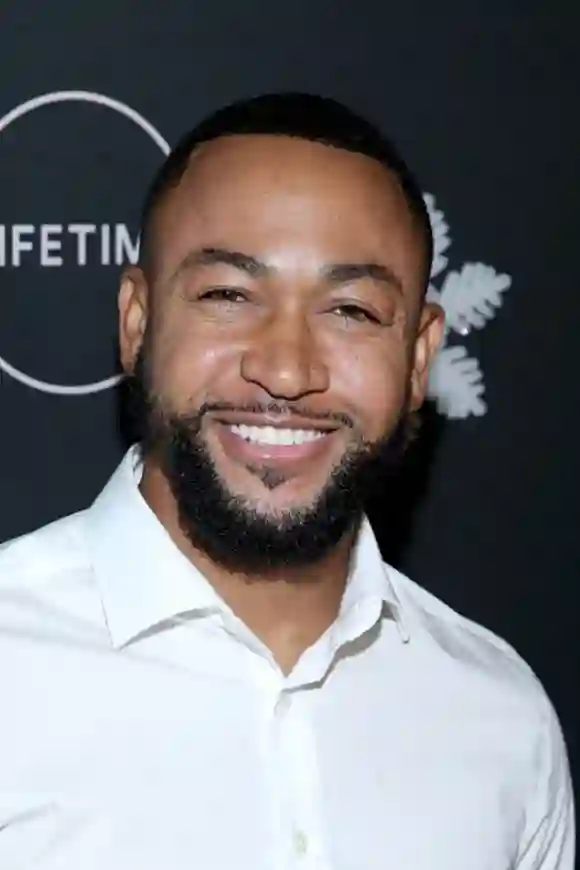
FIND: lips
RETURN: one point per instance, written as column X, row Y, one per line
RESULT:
column 275, row 420
column 285, row 441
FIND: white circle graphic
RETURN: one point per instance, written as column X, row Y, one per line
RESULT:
column 155, row 135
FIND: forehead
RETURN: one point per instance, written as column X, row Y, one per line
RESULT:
column 281, row 197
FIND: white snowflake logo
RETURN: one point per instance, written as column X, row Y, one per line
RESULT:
column 469, row 298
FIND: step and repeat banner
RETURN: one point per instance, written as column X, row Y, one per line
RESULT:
column 482, row 100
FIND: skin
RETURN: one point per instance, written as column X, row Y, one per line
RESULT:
column 295, row 330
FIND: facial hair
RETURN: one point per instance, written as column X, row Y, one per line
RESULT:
column 228, row 528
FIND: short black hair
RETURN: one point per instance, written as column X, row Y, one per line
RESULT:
column 296, row 115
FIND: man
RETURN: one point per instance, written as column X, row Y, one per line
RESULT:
column 211, row 667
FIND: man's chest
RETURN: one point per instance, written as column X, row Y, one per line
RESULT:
column 124, row 766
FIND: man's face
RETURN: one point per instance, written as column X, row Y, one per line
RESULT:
column 283, row 318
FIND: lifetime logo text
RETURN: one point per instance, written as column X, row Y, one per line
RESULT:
column 80, row 244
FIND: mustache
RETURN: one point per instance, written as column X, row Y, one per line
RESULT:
column 286, row 409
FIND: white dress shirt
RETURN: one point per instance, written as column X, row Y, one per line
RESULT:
column 143, row 726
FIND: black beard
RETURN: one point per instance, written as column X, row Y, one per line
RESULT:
column 226, row 527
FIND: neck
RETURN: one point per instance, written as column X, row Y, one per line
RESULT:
column 289, row 609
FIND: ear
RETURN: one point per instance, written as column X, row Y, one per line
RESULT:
column 133, row 305
column 429, row 337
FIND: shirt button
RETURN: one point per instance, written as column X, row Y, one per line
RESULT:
column 300, row 843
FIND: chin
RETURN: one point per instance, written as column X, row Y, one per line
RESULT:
column 282, row 500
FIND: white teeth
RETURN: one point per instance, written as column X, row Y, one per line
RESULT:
column 271, row 435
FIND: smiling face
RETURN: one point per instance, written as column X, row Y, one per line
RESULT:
column 281, row 332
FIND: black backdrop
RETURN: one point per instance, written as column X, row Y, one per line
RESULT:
column 483, row 100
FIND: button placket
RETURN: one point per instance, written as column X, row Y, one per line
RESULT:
column 295, row 761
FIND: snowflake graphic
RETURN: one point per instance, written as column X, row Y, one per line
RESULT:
column 469, row 297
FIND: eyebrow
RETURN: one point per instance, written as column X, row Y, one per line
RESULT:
column 338, row 273
column 343, row 273
column 221, row 256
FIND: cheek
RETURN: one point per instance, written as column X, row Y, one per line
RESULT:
column 187, row 363
column 372, row 381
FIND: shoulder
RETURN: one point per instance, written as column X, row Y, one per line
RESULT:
column 493, row 690
column 503, row 704
column 475, row 659
column 35, row 556
column 45, row 578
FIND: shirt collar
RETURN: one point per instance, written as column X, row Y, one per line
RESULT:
column 145, row 581
column 370, row 589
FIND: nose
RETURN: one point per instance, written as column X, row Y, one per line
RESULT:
column 283, row 358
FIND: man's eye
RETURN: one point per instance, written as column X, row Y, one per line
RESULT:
column 355, row 312
column 223, row 294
